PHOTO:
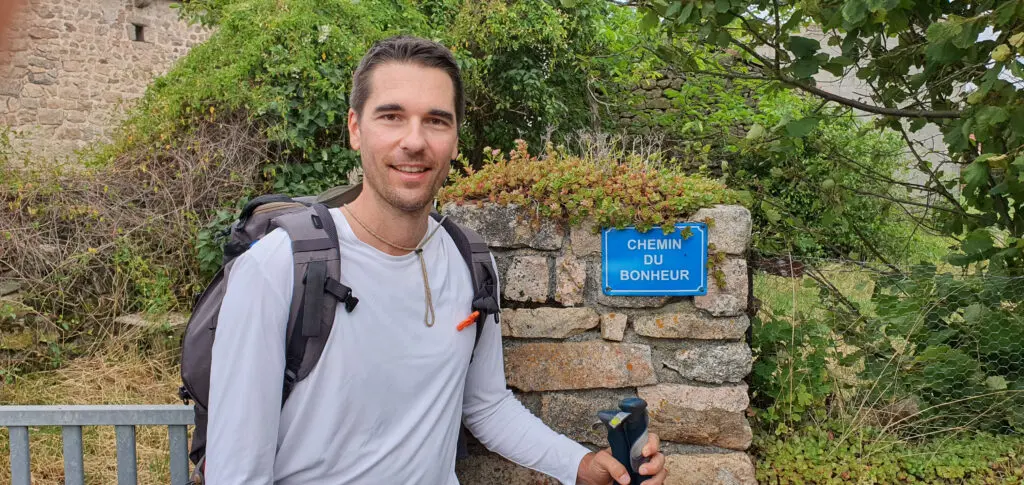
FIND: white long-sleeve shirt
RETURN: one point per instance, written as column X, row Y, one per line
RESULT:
column 384, row 403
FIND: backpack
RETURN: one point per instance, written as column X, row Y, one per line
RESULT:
column 316, row 293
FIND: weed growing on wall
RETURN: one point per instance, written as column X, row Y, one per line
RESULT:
column 615, row 191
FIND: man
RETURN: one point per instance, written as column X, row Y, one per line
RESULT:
column 384, row 403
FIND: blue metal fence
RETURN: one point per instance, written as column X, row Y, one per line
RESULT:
column 71, row 419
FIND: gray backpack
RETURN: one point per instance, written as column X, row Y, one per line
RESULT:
column 316, row 293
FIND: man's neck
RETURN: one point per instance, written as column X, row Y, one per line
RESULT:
column 400, row 228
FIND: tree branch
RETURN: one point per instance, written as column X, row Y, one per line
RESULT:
column 778, row 33
column 898, row 201
column 868, row 172
column 878, row 110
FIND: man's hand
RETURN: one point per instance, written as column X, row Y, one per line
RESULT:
column 601, row 468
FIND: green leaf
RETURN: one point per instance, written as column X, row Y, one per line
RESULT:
column 842, row 61
column 968, row 35
column 650, row 20
column 978, row 241
column 687, row 11
column 723, row 39
column 917, row 124
column 568, row 3
column 802, row 46
column 673, row 9
column 991, row 115
column 1006, row 13
column 898, row 21
column 757, row 131
column 996, row 383
column 855, row 11
column 770, row 213
column 959, row 259
column 974, row 313
column 941, row 32
column 722, row 6
column 975, row 175
column 879, row 5
column 1000, row 189
column 805, row 68
column 833, row 68
column 943, row 53
column 802, row 127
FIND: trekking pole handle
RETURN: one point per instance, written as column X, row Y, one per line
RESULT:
column 627, row 435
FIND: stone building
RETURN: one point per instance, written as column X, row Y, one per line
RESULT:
column 72, row 66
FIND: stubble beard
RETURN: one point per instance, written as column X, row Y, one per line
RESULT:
column 395, row 198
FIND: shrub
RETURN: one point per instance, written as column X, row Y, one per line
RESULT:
column 954, row 344
column 810, row 193
column 790, row 381
column 527, row 65
column 91, row 243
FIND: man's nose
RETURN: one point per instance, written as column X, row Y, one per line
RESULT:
column 413, row 140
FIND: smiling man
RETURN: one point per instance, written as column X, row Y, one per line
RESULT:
column 396, row 378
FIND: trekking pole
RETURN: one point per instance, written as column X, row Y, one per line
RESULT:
column 627, row 435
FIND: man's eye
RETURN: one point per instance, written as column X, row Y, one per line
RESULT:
column 389, row 117
column 437, row 122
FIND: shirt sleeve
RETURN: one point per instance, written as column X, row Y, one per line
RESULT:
column 504, row 425
column 248, row 352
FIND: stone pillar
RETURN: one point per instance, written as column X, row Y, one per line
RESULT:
column 570, row 350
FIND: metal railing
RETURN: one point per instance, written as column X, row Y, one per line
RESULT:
column 71, row 419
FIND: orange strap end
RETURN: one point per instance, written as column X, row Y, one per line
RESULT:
column 468, row 321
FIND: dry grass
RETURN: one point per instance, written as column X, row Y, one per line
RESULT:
column 119, row 373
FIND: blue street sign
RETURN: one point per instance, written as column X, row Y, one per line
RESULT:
column 655, row 264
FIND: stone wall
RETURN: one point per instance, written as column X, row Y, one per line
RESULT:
column 73, row 64
column 654, row 117
column 571, row 351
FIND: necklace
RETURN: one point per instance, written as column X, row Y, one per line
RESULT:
column 429, row 318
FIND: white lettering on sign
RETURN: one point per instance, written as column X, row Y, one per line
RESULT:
column 650, row 259
column 649, row 244
column 655, row 275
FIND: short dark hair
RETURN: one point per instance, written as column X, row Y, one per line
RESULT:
column 406, row 49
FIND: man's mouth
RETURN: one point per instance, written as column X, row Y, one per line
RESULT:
column 409, row 169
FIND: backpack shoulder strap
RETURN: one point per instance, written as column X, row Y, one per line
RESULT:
column 315, row 251
column 477, row 255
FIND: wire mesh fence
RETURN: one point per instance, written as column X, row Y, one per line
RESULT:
column 916, row 351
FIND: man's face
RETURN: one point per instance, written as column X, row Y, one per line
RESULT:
column 406, row 134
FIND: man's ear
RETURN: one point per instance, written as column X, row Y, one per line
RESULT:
column 353, row 129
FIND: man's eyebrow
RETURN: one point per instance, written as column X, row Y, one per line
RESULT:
column 440, row 113
column 388, row 107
